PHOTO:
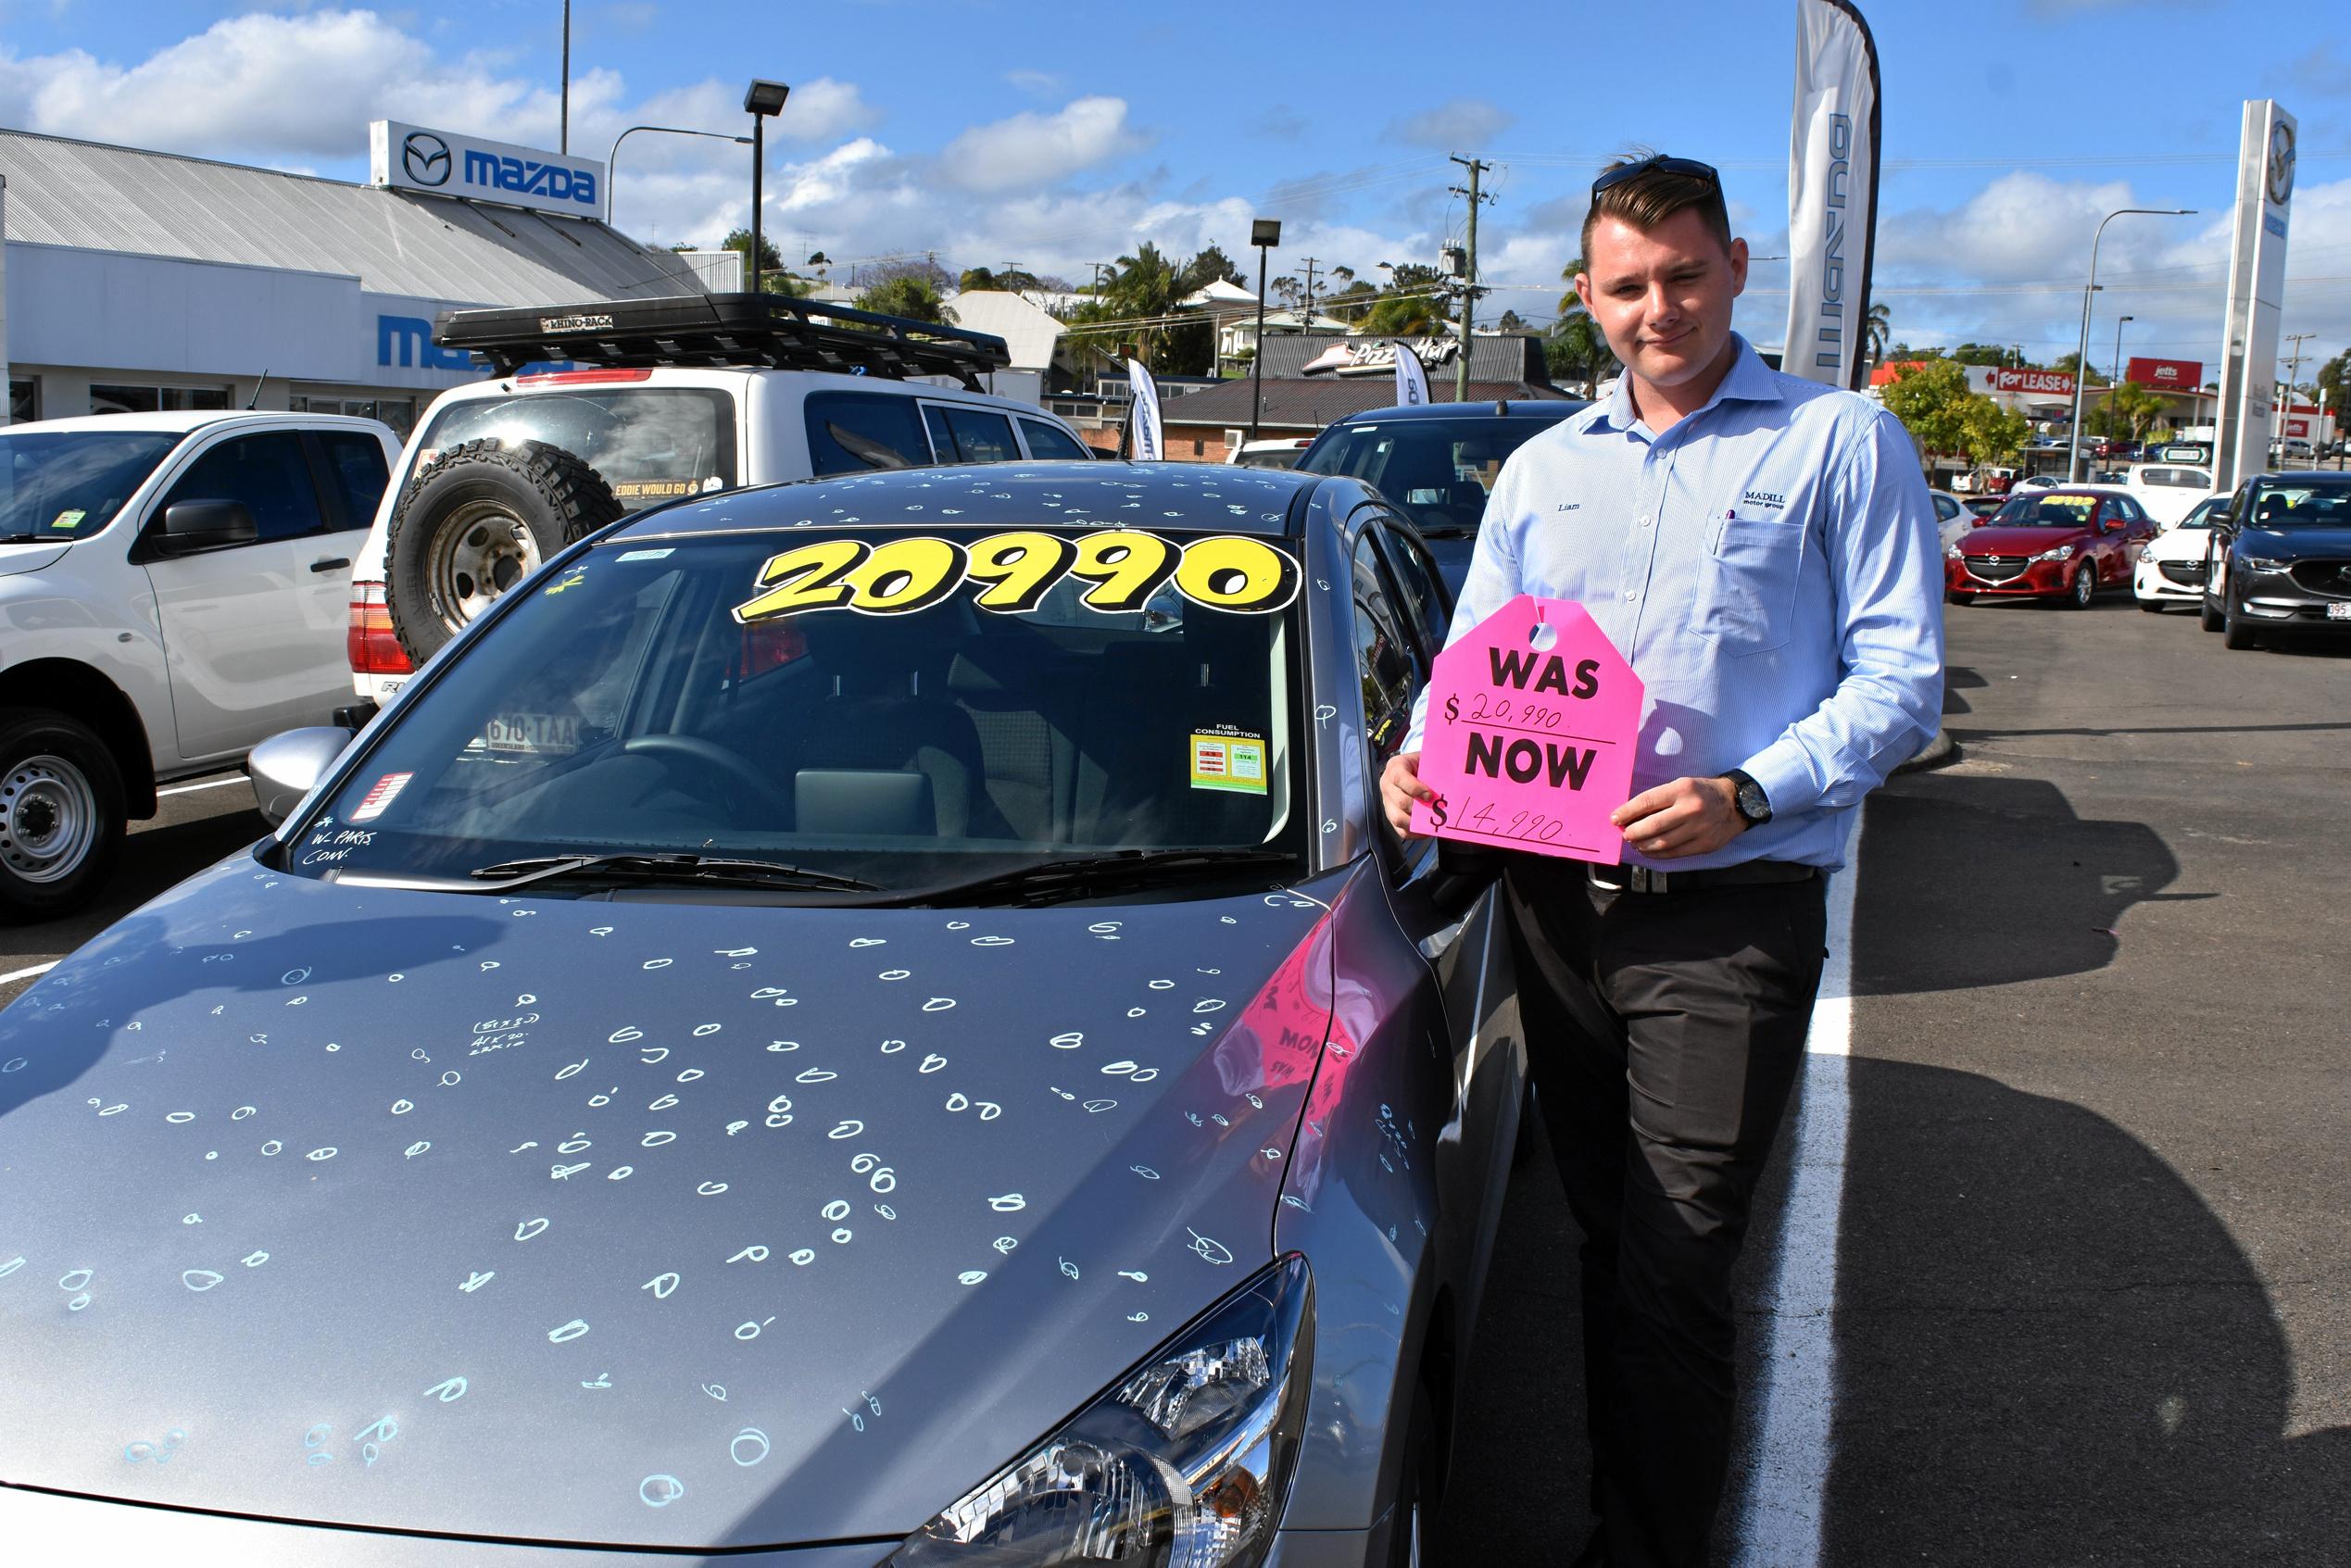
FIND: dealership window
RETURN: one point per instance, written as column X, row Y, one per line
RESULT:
column 24, row 399
column 155, row 399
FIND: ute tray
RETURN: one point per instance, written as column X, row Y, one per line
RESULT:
column 775, row 330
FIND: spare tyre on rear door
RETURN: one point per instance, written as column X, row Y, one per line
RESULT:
column 477, row 519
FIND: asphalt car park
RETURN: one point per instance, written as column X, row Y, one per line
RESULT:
column 2088, row 1287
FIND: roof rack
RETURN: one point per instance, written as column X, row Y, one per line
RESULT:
column 723, row 329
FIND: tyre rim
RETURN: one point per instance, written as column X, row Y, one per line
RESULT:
column 481, row 551
column 48, row 819
column 2083, row 586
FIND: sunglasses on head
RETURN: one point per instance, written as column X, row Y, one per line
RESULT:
column 1688, row 166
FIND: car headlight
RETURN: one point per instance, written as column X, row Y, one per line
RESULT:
column 2262, row 563
column 2147, row 552
column 2063, row 552
column 1184, row 1462
column 1955, row 553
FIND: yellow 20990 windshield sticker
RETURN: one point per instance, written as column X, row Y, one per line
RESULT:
column 1012, row 572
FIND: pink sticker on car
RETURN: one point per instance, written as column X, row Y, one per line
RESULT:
column 380, row 796
column 1532, row 723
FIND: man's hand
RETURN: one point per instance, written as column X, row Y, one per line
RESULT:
column 1686, row 817
column 1399, row 786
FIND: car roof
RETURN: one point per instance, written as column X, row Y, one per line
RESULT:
column 1547, row 409
column 1226, row 497
column 180, row 421
column 2049, row 490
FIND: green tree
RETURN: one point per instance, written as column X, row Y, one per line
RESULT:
column 775, row 277
column 1351, row 303
column 1873, row 326
column 1212, row 265
column 2331, row 378
column 2135, row 407
column 913, row 299
column 1991, row 433
column 2069, row 364
column 1931, row 400
column 1577, row 347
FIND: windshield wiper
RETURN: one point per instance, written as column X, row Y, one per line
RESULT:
column 642, row 867
column 19, row 538
column 1095, row 874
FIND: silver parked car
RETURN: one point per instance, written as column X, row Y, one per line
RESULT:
column 871, row 1020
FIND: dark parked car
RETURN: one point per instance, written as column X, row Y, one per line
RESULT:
column 2064, row 543
column 1437, row 461
column 2280, row 558
column 868, row 1021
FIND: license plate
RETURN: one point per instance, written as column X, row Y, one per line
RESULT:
column 537, row 734
column 2339, row 612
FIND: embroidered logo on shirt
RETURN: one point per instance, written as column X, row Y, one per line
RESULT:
column 1763, row 498
column 1571, row 506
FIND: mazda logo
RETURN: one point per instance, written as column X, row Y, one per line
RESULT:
column 426, row 158
column 2280, row 180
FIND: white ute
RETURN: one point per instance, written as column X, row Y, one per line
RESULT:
column 172, row 593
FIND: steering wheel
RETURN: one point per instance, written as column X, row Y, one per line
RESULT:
column 709, row 754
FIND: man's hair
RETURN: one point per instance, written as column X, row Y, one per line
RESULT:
column 1648, row 199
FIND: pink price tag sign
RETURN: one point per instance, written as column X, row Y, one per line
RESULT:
column 1533, row 719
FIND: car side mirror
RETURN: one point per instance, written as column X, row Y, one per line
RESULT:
column 288, row 766
column 207, row 525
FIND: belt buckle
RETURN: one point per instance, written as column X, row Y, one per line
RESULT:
column 1646, row 881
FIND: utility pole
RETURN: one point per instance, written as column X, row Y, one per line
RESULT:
column 2293, row 369
column 1469, row 272
column 1308, row 323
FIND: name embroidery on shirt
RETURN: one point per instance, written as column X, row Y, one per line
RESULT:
column 1571, row 506
column 1762, row 498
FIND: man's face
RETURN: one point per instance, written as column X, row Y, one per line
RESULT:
column 1663, row 298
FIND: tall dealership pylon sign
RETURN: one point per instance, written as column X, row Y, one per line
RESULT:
column 1832, row 196
column 2256, row 289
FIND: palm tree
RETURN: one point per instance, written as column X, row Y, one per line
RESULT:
column 1576, row 343
column 1873, row 329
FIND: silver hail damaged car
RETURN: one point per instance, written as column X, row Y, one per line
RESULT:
column 864, row 1022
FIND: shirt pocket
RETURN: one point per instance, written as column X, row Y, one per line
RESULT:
column 1747, row 583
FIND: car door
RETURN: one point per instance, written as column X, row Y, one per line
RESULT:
column 966, row 434
column 350, row 471
column 244, row 656
column 1448, row 904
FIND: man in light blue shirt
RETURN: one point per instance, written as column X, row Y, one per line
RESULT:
column 1763, row 550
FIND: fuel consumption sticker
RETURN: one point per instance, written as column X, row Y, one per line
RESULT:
column 1228, row 759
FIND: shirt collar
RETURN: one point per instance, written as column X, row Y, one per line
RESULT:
column 1749, row 379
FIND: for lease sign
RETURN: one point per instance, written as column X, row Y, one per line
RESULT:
column 1532, row 721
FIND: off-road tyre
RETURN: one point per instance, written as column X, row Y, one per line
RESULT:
column 61, row 814
column 476, row 520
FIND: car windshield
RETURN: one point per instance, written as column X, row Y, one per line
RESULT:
column 2208, row 511
column 904, row 710
column 2301, row 505
column 69, row 484
column 2046, row 511
column 650, row 443
column 1440, row 470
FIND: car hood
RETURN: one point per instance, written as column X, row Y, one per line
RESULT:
column 592, row 1220
column 16, row 559
column 2179, row 543
column 2294, row 543
column 2013, row 541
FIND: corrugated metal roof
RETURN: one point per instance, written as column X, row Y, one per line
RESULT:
column 98, row 197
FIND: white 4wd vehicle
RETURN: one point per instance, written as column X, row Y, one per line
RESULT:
column 172, row 592
column 661, row 398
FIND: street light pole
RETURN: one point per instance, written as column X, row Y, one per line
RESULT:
column 612, row 158
column 2115, row 384
column 762, row 100
column 2082, row 356
column 1264, row 234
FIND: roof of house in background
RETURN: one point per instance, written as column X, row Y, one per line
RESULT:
column 90, row 195
column 1296, row 404
column 1030, row 332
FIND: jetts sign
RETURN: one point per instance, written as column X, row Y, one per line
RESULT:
column 443, row 163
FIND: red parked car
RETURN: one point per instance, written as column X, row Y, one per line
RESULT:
column 2058, row 544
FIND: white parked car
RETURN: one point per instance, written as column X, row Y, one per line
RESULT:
column 172, row 593
column 2036, row 482
column 653, row 399
column 2170, row 566
column 1953, row 519
column 2167, row 491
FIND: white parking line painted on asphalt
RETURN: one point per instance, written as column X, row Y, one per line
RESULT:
column 208, row 783
column 1779, row 1523
column 28, row 973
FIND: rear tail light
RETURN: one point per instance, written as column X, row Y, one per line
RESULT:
column 373, row 648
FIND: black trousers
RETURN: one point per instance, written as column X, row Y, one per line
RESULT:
column 1664, row 1032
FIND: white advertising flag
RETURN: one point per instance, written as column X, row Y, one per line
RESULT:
column 1832, row 194
column 1412, row 377
column 1149, row 447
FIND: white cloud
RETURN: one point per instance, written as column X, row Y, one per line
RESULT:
column 1033, row 150
column 1451, row 126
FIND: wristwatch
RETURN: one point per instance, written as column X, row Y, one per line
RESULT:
column 1753, row 803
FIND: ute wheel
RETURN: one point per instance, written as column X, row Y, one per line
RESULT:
column 2083, row 587
column 61, row 814
column 481, row 517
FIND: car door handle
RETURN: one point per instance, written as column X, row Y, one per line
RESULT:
column 336, row 564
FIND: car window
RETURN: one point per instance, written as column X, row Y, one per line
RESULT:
column 355, row 460
column 65, row 485
column 1051, row 440
column 852, row 432
column 970, row 435
column 1386, row 657
column 1440, row 470
column 268, row 472
column 652, row 444
column 1946, row 508
column 1423, row 588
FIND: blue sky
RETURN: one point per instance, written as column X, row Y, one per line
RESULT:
column 1053, row 137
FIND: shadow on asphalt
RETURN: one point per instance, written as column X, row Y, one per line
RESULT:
column 2058, row 1353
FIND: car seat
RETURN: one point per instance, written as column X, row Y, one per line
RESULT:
column 1147, row 700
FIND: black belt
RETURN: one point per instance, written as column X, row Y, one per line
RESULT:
column 1640, row 879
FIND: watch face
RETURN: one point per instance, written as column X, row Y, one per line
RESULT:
column 1751, row 804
